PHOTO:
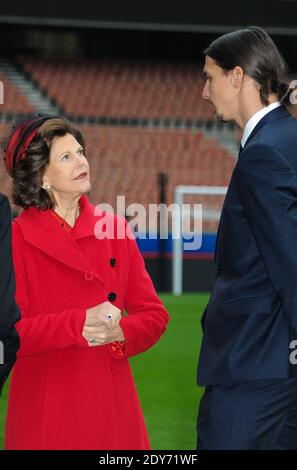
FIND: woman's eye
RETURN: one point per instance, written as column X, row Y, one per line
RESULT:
column 65, row 157
column 81, row 152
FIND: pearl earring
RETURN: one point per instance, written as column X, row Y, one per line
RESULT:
column 47, row 187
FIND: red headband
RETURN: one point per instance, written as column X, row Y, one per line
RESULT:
column 20, row 140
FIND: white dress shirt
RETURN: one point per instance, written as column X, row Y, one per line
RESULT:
column 253, row 121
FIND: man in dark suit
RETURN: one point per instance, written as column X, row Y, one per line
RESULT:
column 250, row 322
column 9, row 312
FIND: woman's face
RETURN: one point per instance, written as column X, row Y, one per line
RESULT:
column 68, row 172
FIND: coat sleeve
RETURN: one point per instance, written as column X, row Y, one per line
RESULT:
column 44, row 332
column 267, row 186
column 9, row 312
column 146, row 318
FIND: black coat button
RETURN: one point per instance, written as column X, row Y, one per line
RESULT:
column 113, row 262
column 112, row 296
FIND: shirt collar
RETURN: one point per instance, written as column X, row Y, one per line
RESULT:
column 253, row 121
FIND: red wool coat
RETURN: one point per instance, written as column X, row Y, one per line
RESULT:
column 64, row 394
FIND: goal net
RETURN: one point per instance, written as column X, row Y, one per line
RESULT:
column 197, row 212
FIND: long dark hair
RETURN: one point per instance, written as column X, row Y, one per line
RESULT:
column 255, row 52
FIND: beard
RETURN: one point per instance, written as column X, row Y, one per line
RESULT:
column 220, row 117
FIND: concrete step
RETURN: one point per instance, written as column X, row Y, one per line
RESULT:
column 35, row 96
column 225, row 136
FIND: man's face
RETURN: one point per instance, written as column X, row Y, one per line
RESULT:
column 219, row 90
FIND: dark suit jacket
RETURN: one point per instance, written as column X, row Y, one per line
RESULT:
column 251, row 316
column 9, row 312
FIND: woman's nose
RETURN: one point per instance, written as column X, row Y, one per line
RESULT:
column 79, row 160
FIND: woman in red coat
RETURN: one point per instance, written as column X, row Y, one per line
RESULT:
column 72, row 386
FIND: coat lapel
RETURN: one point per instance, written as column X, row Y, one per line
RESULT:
column 42, row 230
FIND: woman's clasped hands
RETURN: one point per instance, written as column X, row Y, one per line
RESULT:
column 102, row 325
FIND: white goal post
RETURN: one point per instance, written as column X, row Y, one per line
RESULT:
column 177, row 242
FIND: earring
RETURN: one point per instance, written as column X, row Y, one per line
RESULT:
column 47, row 187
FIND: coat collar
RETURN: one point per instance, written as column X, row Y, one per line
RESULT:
column 40, row 229
column 277, row 113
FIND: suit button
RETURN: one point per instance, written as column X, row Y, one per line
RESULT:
column 112, row 296
column 88, row 277
column 113, row 262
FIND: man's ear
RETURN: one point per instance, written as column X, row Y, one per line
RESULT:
column 236, row 76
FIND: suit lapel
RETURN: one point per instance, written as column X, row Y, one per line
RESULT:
column 277, row 113
column 216, row 257
column 40, row 229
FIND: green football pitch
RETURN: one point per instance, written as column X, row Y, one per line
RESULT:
column 166, row 377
